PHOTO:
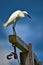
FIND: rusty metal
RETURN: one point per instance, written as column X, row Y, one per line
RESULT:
column 9, row 56
column 13, row 53
column 15, row 56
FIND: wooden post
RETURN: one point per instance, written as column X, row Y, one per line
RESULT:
column 24, row 59
column 31, row 55
column 27, row 57
column 16, row 40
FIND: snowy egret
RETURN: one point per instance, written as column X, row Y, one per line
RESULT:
column 13, row 20
column 15, row 17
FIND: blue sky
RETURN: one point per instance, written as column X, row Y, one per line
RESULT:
column 30, row 30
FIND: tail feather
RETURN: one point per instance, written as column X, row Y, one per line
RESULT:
column 5, row 25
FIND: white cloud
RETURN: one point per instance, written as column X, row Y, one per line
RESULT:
column 3, row 59
column 5, row 49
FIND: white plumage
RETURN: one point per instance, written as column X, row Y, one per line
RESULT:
column 15, row 17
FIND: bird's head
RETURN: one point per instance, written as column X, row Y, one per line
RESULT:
column 26, row 14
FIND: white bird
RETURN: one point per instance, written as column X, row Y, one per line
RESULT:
column 15, row 17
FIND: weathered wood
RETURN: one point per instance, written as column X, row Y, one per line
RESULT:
column 27, row 58
column 16, row 40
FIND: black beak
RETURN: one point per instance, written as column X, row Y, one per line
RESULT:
column 28, row 16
